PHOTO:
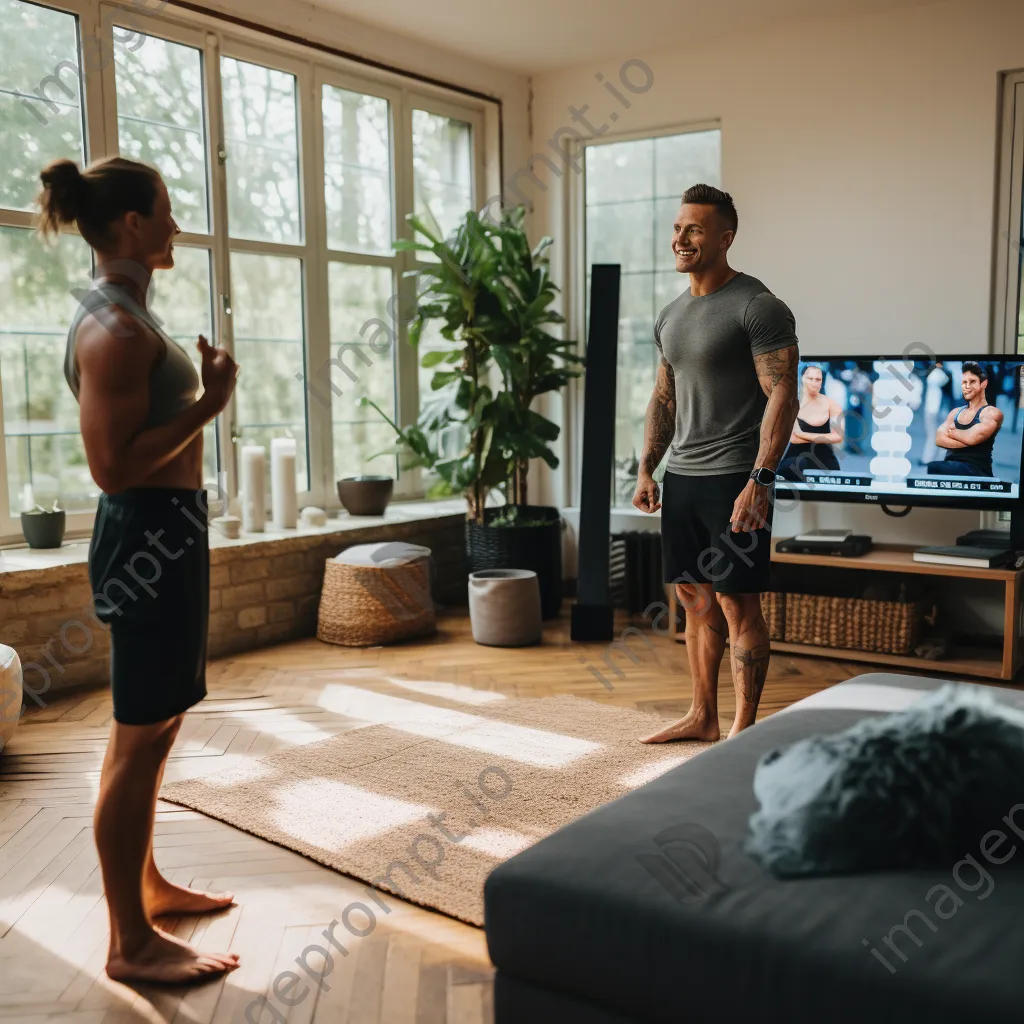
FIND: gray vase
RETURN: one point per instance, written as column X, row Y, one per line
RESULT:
column 504, row 607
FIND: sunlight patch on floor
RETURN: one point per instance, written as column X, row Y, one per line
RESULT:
column 334, row 814
column 475, row 732
column 649, row 772
column 498, row 842
column 447, row 691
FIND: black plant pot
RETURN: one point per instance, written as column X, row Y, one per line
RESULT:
column 522, row 547
column 43, row 529
column 365, row 495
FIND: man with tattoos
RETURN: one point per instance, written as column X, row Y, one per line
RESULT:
column 723, row 408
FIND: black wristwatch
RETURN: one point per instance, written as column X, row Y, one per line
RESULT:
column 763, row 476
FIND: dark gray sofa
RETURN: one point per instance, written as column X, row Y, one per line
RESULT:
column 648, row 909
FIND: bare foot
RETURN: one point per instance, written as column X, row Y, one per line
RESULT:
column 738, row 726
column 691, row 727
column 164, row 960
column 176, row 899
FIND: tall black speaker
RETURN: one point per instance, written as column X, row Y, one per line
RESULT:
column 593, row 615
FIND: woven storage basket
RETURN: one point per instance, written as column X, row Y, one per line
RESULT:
column 362, row 605
column 853, row 623
column 773, row 607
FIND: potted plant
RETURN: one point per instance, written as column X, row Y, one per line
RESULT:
column 491, row 295
column 43, row 527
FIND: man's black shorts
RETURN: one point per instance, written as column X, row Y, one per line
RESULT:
column 697, row 542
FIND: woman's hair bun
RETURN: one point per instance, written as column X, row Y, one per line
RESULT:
column 63, row 196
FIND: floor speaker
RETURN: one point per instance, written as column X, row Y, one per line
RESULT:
column 593, row 615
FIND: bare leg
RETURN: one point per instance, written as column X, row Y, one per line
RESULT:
column 162, row 897
column 123, row 825
column 706, row 631
column 750, row 651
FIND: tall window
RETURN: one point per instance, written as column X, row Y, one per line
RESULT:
column 290, row 180
column 633, row 190
column 160, row 121
column 40, row 120
column 362, row 277
column 1008, row 311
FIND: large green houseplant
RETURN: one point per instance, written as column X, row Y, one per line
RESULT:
column 491, row 296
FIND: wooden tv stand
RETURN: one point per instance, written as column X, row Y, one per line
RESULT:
column 988, row 663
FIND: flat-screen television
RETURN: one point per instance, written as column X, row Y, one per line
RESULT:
column 945, row 430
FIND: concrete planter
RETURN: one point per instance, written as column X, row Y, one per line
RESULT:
column 504, row 607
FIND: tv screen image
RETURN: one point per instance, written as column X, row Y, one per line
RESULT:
column 945, row 431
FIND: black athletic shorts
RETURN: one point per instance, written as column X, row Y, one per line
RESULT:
column 149, row 566
column 697, row 542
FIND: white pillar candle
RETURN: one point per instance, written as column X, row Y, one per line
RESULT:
column 254, row 497
column 284, row 498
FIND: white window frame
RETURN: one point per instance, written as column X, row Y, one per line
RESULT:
column 1008, row 242
column 576, row 297
column 312, row 68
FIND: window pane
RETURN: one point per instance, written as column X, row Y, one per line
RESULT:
column 633, row 191
column 160, row 120
column 357, row 170
column 261, row 129
column 40, row 97
column 270, row 395
column 37, row 303
column 442, row 160
column 181, row 300
column 359, row 312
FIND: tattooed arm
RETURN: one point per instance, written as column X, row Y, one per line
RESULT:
column 777, row 372
column 659, row 430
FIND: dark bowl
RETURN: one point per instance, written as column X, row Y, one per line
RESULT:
column 365, row 495
column 43, row 529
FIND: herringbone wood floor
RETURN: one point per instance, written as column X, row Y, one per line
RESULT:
column 417, row 967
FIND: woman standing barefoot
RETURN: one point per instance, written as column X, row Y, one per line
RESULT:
column 149, row 557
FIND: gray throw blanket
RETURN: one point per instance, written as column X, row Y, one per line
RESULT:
column 912, row 789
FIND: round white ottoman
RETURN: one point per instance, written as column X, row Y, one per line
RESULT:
column 10, row 693
column 504, row 607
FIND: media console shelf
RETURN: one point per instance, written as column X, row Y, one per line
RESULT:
column 986, row 662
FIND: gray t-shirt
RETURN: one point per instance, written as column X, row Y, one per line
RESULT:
column 710, row 341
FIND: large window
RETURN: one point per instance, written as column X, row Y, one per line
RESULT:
column 1008, row 309
column 289, row 177
column 633, row 189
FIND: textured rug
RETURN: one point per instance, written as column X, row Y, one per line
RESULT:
column 426, row 804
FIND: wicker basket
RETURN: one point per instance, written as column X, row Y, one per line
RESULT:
column 363, row 605
column 858, row 624
column 773, row 607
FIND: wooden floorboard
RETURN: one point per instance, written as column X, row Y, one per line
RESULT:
column 417, row 966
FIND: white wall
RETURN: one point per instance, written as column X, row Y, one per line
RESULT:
column 861, row 152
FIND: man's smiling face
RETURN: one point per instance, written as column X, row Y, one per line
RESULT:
column 700, row 238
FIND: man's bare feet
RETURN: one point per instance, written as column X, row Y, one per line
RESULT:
column 690, row 727
column 166, row 898
column 738, row 726
column 161, row 959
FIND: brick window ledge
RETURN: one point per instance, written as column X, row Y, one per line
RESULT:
column 264, row 589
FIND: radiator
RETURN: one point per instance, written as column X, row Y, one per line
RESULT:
column 634, row 569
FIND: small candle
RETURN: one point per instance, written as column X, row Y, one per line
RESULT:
column 254, row 498
column 284, row 499
column 28, row 499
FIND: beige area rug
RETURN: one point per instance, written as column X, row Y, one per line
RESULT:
column 428, row 804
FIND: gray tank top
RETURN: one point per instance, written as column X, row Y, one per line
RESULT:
column 173, row 381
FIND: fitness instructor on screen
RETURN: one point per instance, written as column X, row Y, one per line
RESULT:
column 969, row 432
column 723, row 409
